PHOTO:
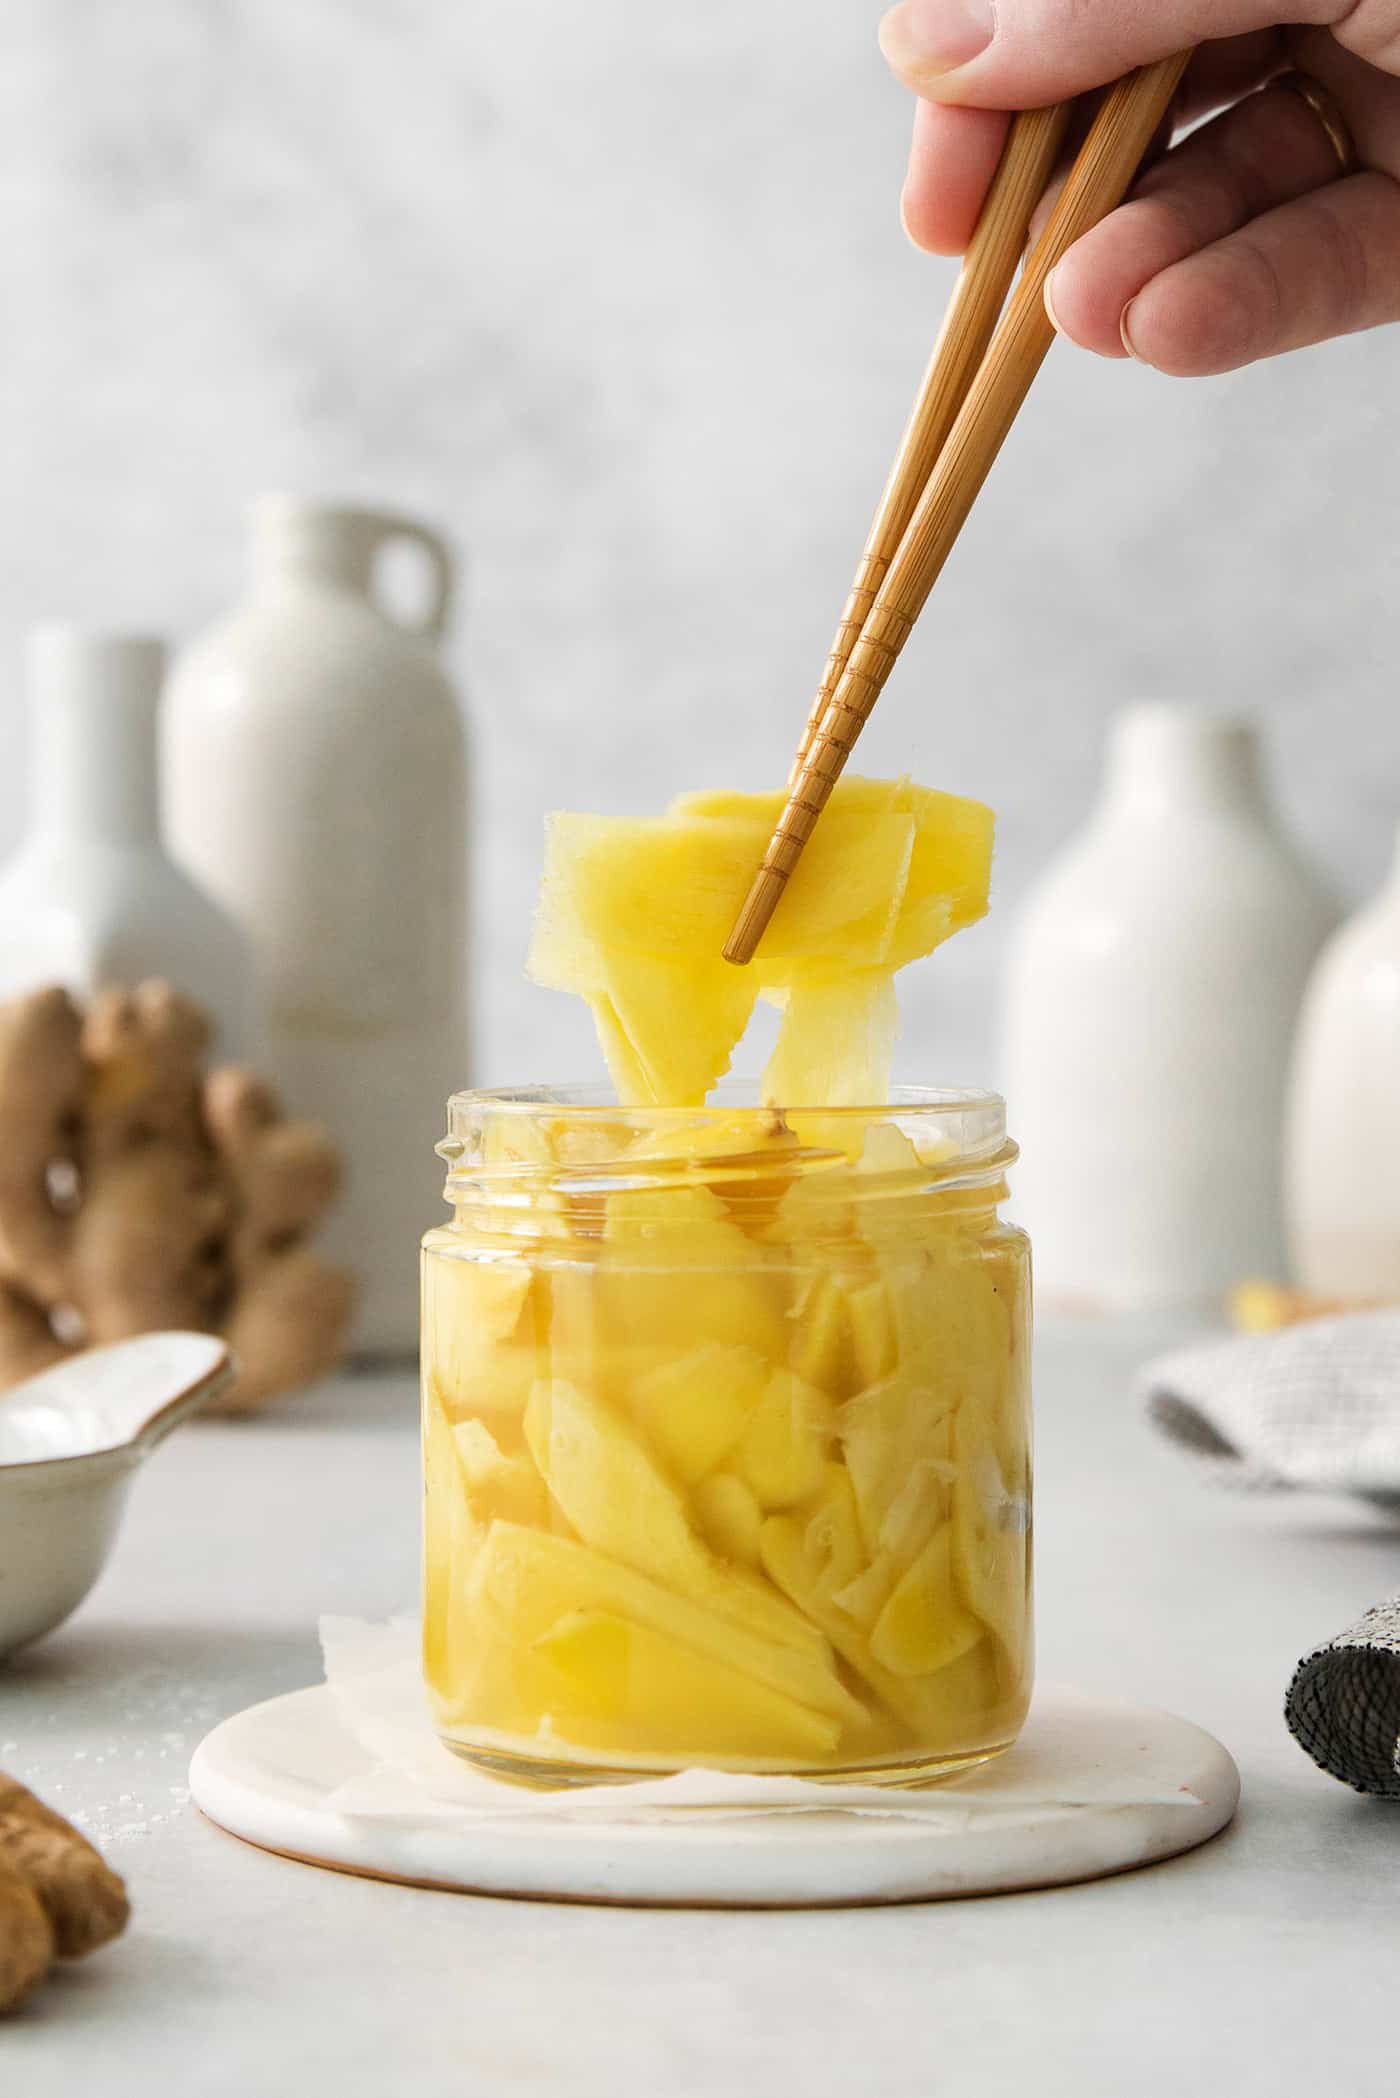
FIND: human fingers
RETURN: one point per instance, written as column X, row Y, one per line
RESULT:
column 954, row 151
column 952, row 158
column 1326, row 264
column 1222, row 71
column 1264, row 152
column 1019, row 54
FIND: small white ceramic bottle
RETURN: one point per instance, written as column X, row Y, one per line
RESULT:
column 1153, row 989
column 90, row 898
column 1342, row 1153
column 315, row 784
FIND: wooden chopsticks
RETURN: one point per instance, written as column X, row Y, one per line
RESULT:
column 952, row 439
column 994, row 252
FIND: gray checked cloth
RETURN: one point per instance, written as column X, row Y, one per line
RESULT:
column 1315, row 1407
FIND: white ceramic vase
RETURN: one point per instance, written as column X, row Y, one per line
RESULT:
column 315, row 783
column 1343, row 1139
column 91, row 899
column 1153, row 989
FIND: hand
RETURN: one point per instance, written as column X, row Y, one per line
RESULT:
column 1244, row 240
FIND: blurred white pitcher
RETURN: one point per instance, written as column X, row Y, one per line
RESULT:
column 315, row 783
column 90, row 900
column 1153, row 989
column 1343, row 1155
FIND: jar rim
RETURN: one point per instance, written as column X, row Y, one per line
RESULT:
column 731, row 1094
column 501, row 1148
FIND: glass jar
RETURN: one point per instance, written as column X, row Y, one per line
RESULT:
column 726, row 1439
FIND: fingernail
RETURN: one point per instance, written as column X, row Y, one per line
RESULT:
column 936, row 36
column 1066, row 334
column 1125, row 332
column 1049, row 297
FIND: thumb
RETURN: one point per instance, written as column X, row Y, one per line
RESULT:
column 1019, row 54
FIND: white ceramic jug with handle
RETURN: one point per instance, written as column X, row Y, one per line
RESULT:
column 315, row 783
column 1343, row 1141
column 1153, row 989
column 91, row 899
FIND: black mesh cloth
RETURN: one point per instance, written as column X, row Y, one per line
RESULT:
column 1343, row 1704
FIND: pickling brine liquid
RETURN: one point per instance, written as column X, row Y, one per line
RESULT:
column 726, row 1440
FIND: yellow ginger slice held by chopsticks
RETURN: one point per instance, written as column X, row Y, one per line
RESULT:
column 634, row 913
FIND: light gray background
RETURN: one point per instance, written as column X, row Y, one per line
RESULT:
column 616, row 292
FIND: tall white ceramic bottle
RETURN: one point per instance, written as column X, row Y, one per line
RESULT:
column 1343, row 1141
column 90, row 899
column 315, row 782
column 1153, row 989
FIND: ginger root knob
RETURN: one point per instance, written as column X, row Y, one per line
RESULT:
column 58, row 1896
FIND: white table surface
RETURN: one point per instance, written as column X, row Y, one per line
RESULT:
column 1265, row 1963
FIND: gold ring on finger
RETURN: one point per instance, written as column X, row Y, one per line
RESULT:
column 1326, row 108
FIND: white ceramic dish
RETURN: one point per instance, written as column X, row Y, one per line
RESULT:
column 1092, row 1787
column 70, row 1441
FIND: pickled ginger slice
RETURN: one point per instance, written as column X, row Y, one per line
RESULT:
column 836, row 1043
column 665, row 887
column 676, row 1701
column 949, row 875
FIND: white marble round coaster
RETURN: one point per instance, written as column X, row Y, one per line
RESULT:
column 1093, row 1787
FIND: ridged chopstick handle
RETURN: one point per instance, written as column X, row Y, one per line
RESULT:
column 997, row 245
column 1099, row 179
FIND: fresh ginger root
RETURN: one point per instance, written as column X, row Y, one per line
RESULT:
column 26, row 1940
column 138, row 1192
column 27, row 1340
column 58, row 1898
column 143, row 1051
column 283, row 1176
column 41, row 1089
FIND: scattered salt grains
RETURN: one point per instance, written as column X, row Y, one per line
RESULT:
column 129, row 1817
column 110, row 1827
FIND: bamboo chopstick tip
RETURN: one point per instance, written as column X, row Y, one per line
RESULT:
column 752, row 921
